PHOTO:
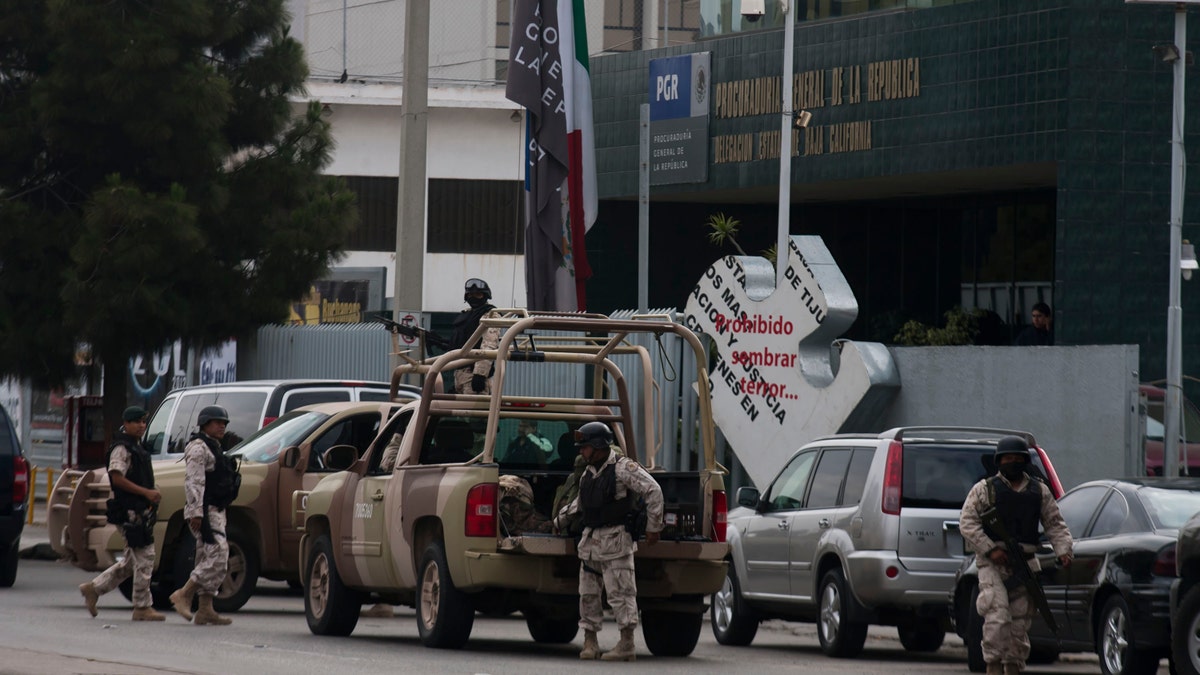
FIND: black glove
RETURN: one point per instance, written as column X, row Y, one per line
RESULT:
column 478, row 383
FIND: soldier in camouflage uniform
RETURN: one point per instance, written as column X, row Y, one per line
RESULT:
column 606, row 493
column 475, row 379
column 132, row 479
column 204, row 459
column 518, row 514
column 1022, row 501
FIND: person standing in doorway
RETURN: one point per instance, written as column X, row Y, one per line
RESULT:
column 135, row 500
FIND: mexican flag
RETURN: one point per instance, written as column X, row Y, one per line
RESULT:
column 581, row 142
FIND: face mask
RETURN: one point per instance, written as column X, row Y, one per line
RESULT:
column 1013, row 470
column 476, row 303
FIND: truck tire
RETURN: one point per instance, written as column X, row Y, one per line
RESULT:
column 921, row 636
column 733, row 623
column 241, row 579
column 1185, row 634
column 329, row 607
column 671, row 633
column 1119, row 655
column 974, row 636
column 551, row 630
column 840, row 637
column 8, row 565
column 444, row 613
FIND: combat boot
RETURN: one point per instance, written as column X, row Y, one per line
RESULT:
column 182, row 598
column 1012, row 669
column 207, row 616
column 90, row 597
column 147, row 614
column 591, row 648
column 624, row 650
column 995, row 668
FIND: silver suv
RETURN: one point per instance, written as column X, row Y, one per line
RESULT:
column 858, row 530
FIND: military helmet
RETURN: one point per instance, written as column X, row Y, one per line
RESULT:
column 1012, row 445
column 595, row 434
column 210, row 413
column 476, row 286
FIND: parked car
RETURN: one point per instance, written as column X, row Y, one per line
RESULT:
column 252, row 405
column 1113, row 599
column 14, row 495
column 1185, row 600
column 858, row 530
column 1189, row 432
column 279, row 461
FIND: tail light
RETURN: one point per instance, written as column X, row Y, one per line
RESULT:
column 1164, row 563
column 268, row 419
column 20, row 479
column 893, row 478
column 481, row 511
column 720, row 517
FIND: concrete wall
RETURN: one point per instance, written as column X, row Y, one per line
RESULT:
column 1081, row 403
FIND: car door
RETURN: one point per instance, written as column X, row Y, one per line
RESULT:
column 766, row 542
column 821, row 513
column 1083, row 578
column 1066, row 588
column 369, row 547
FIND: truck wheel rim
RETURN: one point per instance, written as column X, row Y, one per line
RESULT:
column 235, row 576
column 1115, row 644
column 1193, row 642
column 723, row 606
column 831, row 615
column 318, row 587
column 430, row 588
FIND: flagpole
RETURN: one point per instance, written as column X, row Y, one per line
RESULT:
column 785, row 147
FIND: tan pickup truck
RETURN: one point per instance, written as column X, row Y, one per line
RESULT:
column 434, row 533
column 278, row 463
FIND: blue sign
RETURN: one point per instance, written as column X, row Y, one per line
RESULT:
column 679, row 86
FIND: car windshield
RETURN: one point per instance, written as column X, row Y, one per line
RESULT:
column 1169, row 509
column 289, row 430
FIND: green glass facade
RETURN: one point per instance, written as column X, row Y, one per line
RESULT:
column 982, row 154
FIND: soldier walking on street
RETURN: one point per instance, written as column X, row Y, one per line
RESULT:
column 135, row 500
column 477, row 378
column 607, row 489
column 1021, row 502
column 211, row 483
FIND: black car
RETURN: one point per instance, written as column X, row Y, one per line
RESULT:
column 1114, row 598
column 14, row 492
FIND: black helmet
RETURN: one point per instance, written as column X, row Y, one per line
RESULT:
column 595, row 434
column 476, row 286
column 210, row 413
column 1012, row 445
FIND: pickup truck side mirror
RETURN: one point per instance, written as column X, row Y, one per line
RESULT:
column 340, row 457
column 747, row 496
column 290, row 458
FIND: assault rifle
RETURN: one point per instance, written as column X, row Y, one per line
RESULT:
column 415, row 333
column 1021, row 574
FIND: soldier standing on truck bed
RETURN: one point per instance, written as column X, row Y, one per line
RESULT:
column 134, row 501
column 477, row 378
column 211, row 483
column 1021, row 502
column 606, row 496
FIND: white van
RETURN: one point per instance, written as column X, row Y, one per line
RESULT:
column 251, row 405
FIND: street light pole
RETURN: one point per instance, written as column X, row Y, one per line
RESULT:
column 1171, row 411
column 785, row 144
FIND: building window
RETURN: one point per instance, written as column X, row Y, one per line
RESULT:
column 475, row 216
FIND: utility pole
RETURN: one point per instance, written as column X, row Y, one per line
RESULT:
column 785, row 146
column 414, row 131
column 1173, row 403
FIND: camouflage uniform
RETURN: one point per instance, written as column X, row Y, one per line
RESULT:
column 606, row 553
column 212, row 560
column 462, row 376
column 137, row 562
column 391, row 452
column 517, row 512
column 1007, row 614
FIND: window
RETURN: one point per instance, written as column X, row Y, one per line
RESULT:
column 827, row 483
column 529, row 443
column 1078, row 506
column 156, row 432
column 357, row 431
column 788, row 490
column 299, row 399
column 856, row 477
column 1169, row 509
column 475, row 216
column 1112, row 517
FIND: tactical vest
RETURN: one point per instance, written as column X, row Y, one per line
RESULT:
column 1019, row 510
column 222, row 484
column 465, row 323
column 140, row 473
column 598, row 497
